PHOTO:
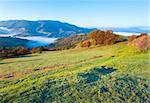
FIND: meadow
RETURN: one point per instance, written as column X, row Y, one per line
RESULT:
column 115, row 73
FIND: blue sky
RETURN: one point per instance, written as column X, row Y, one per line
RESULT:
column 86, row 13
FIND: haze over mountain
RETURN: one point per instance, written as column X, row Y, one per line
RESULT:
column 48, row 28
column 55, row 29
column 136, row 29
column 28, row 42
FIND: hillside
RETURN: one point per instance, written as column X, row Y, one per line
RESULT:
column 69, row 42
column 55, row 29
column 12, row 42
column 3, row 31
column 114, row 73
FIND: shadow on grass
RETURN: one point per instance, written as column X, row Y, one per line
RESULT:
column 89, row 77
column 95, row 74
column 105, row 70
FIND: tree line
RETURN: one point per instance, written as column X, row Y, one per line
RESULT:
column 8, row 52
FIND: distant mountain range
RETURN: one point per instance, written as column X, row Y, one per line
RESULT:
column 49, row 28
column 137, row 29
column 55, row 29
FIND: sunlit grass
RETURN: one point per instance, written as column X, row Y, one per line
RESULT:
column 81, row 78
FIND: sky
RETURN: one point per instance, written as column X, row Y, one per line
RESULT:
column 85, row 13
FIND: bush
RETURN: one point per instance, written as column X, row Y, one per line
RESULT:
column 23, row 51
column 133, row 37
column 103, row 37
column 36, row 50
column 13, row 51
column 86, row 43
column 97, row 35
column 111, row 39
column 142, row 42
column 93, row 42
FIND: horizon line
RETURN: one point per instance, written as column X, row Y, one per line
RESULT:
column 76, row 24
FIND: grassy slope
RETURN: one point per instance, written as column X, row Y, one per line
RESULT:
column 77, row 75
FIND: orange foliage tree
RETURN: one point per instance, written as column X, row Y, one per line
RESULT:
column 103, row 37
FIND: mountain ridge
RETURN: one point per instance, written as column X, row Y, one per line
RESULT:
column 47, row 28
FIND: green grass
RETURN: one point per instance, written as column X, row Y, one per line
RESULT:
column 115, row 73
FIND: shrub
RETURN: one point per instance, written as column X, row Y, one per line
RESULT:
column 36, row 50
column 93, row 42
column 111, row 39
column 86, row 43
column 133, row 37
column 103, row 37
column 97, row 35
column 142, row 42
column 13, row 51
column 23, row 51
column 142, row 34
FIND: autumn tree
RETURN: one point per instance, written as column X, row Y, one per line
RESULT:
column 103, row 37
column 23, row 51
column 86, row 43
